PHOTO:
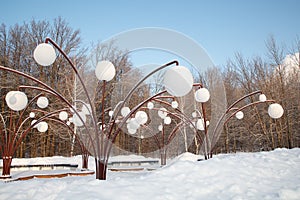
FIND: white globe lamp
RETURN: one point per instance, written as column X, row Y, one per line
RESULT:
column 76, row 119
column 160, row 127
column 200, row 124
column 63, row 115
column 110, row 113
column 31, row 114
column 44, row 54
column 42, row 127
column 133, row 124
column 275, row 110
column 202, row 95
column 239, row 115
column 167, row 120
column 262, row 98
column 174, row 104
column 42, row 102
column 150, row 105
column 141, row 117
column 178, row 81
column 16, row 100
column 125, row 111
column 86, row 109
column 162, row 113
column 105, row 71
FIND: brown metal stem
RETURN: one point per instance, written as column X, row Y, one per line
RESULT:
column 78, row 76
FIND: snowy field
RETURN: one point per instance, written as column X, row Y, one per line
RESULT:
column 265, row 175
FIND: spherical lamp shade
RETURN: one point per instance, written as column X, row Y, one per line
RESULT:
column 42, row 127
column 63, row 115
column 162, row 113
column 200, row 124
column 141, row 117
column 275, row 110
column 194, row 114
column 42, row 102
column 133, row 124
column 86, row 109
column 105, row 71
column 178, row 81
column 16, row 100
column 150, row 105
column 76, row 119
column 31, row 114
column 125, row 111
column 111, row 113
column 174, row 104
column 262, row 98
column 160, row 127
column 167, row 120
column 239, row 115
column 44, row 54
column 202, row 95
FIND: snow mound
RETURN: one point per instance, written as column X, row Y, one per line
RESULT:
column 264, row 175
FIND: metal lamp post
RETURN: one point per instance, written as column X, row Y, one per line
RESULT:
column 275, row 110
column 167, row 110
column 178, row 82
column 13, row 136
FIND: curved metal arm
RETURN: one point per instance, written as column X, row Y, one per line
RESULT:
column 142, row 80
column 246, row 106
column 230, row 108
column 39, row 82
column 4, row 124
column 78, row 76
column 58, row 96
column 242, row 98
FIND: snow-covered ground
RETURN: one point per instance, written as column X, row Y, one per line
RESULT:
column 264, row 175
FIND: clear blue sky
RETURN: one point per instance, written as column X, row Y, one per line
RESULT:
column 221, row 27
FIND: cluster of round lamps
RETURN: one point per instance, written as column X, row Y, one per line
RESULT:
column 178, row 82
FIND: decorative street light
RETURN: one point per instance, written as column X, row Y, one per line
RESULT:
column 101, row 140
column 178, row 82
column 13, row 136
column 166, row 111
column 275, row 111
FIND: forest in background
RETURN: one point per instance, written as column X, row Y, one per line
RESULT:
column 278, row 80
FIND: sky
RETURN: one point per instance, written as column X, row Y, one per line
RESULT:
column 221, row 28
